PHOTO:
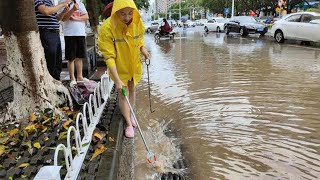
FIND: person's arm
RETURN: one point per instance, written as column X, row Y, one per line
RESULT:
column 62, row 14
column 67, row 16
column 47, row 10
column 83, row 16
column 143, row 50
column 107, row 47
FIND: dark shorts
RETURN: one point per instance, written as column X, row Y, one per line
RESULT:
column 75, row 47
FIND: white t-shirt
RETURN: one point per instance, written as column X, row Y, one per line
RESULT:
column 75, row 28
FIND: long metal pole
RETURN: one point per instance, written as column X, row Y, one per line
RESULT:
column 232, row 9
column 180, row 10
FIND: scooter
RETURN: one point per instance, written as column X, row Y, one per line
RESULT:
column 158, row 34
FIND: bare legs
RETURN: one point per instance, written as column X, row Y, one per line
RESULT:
column 78, row 63
column 124, row 107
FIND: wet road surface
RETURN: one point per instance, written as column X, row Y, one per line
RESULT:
column 240, row 107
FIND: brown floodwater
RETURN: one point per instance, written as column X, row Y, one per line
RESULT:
column 240, row 108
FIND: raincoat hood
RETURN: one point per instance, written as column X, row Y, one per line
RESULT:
column 120, row 4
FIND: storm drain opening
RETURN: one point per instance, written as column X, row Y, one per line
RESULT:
column 181, row 164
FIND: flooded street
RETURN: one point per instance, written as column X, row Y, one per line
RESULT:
column 240, row 108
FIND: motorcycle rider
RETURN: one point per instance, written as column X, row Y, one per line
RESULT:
column 165, row 28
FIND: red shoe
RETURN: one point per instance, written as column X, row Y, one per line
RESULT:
column 129, row 132
column 133, row 122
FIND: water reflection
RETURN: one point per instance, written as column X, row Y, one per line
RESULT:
column 242, row 107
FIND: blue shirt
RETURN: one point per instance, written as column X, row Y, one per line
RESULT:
column 46, row 22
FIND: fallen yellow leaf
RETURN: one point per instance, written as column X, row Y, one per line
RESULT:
column 3, row 134
column 65, row 108
column 2, row 149
column 13, row 132
column 100, row 149
column 44, row 129
column 24, row 165
column 46, row 139
column 33, row 117
column 37, row 145
column 31, row 128
column 97, row 135
column 66, row 124
column 111, row 139
column 4, row 140
column 63, row 135
column 46, row 120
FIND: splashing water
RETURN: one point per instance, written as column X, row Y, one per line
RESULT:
column 165, row 148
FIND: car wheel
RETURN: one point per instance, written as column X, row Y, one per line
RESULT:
column 149, row 30
column 226, row 30
column 206, row 29
column 243, row 31
column 157, row 36
column 278, row 36
column 218, row 29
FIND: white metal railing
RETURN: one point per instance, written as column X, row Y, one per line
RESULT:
column 94, row 109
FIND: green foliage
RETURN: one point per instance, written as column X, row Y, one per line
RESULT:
column 142, row 4
column 185, row 9
column 313, row 10
column 217, row 6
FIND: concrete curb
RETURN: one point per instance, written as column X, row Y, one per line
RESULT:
column 109, row 163
column 115, row 159
column 118, row 160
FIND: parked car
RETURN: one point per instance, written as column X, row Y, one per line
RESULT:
column 172, row 23
column 303, row 26
column 215, row 24
column 195, row 23
column 151, row 26
column 184, row 23
column 245, row 25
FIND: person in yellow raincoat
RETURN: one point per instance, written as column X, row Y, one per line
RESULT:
column 120, row 40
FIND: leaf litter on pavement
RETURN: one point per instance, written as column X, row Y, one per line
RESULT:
column 33, row 135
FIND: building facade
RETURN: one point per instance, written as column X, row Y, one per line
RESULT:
column 163, row 5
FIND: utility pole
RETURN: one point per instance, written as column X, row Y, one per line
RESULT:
column 179, row 9
column 232, row 9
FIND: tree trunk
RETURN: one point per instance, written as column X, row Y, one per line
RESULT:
column 26, row 62
column 93, row 16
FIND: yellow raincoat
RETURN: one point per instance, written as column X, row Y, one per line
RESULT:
column 120, row 43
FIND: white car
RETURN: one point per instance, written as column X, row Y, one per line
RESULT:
column 303, row 26
column 215, row 24
column 151, row 27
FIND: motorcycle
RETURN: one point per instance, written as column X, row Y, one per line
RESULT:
column 158, row 34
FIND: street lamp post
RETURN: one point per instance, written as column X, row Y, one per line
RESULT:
column 180, row 10
column 232, row 8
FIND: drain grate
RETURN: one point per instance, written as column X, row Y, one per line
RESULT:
column 180, row 164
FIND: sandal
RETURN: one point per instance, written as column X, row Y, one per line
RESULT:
column 129, row 132
column 73, row 83
column 84, row 80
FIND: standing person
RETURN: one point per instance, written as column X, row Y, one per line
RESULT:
column 120, row 40
column 47, row 19
column 74, row 28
